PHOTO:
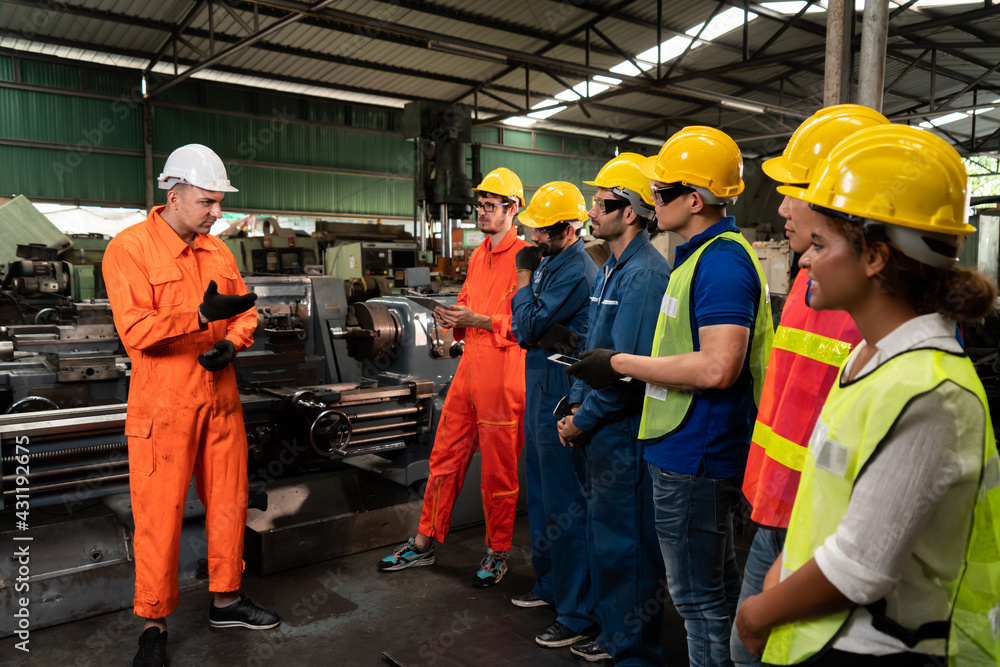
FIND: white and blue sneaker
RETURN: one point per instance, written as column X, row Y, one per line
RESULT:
column 491, row 570
column 407, row 555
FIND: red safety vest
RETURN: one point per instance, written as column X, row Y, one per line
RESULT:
column 808, row 349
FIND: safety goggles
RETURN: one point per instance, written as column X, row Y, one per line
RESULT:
column 666, row 194
column 488, row 207
column 608, row 205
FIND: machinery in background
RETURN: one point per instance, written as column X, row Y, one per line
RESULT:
column 340, row 401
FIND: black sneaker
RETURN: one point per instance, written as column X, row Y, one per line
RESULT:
column 590, row 651
column 491, row 570
column 242, row 614
column 529, row 599
column 152, row 648
column 557, row 635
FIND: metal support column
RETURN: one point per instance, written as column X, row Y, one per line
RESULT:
column 837, row 81
column 147, row 149
column 874, row 34
column 445, row 232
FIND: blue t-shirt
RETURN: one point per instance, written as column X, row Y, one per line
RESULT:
column 715, row 439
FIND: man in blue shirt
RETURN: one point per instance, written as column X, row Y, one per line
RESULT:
column 625, row 566
column 554, row 278
column 704, row 380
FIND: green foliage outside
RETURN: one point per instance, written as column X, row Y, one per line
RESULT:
column 984, row 175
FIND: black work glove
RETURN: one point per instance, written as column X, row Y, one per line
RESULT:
column 215, row 306
column 595, row 369
column 220, row 356
column 528, row 258
column 560, row 339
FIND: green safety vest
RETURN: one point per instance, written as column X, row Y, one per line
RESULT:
column 855, row 420
column 666, row 410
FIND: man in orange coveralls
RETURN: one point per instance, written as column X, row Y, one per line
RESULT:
column 485, row 403
column 172, row 289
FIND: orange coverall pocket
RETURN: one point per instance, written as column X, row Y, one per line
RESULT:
column 227, row 272
column 167, row 288
column 140, row 445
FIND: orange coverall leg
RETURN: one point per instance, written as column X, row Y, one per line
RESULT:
column 187, row 441
column 490, row 410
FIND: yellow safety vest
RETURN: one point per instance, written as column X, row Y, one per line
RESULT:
column 666, row 410
column 855, row 420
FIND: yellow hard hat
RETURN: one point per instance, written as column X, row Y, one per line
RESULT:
column 624, row 178
column 816, row 137
column 502, row 182
column 700, row 156
column 896, row 174
column 555, row 202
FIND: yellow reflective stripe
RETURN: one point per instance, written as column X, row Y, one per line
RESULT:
column 821, row 348
column 784, row 451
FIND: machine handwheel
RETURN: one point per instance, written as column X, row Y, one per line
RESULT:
column 335, row 428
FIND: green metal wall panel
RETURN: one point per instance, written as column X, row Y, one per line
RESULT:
column 535, row 170
column 186, row 92
column 371, row 119
column 516, row 138
column 269, row 104
column 486, row 134
column 548, row 142
column 277, row 140
column 229, row 99
column 6, row 68
column 80, row 122
column 327, row 112
column 42, row 173
column 109, row 82
column 52, row 75
column 270, row 189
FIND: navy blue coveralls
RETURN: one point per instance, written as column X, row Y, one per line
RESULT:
column 626, row 568
column 557, row 508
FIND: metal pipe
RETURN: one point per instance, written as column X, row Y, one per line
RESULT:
column 380, row 438
column 445, row 232
column 382, row 427
column 35, row 457
column 65, row 486
column 874, row 35
column 399, row 412
column 50, row 474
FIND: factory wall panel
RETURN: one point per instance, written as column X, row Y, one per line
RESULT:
column 6, row 68
column 279, row 139
column 50, row 75
column 80, row 122
column 44, row 174
column 270, row 189
column 516, row 138
column 537, row 169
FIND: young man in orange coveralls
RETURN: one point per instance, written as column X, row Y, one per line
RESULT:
column 485, row 403
column 807, row 351
column 173, row 288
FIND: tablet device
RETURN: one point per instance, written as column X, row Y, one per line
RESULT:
column 429, row 304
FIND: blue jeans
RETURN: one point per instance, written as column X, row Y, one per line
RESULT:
column 694, row 523
column 766, row 548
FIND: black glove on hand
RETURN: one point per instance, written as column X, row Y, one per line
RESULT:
column 560, row 339
column 595, row 369
column 215, row 306
column 528, row 258
column 220, row 356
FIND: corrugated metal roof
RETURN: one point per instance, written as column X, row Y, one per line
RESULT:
column 551, row 27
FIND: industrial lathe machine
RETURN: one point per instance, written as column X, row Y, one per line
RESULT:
column 340, row 399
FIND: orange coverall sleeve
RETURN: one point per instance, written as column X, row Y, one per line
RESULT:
column 140, row 325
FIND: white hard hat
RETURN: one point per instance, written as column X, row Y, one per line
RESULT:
column 195, row 165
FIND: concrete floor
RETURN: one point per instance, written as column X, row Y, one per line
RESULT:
column 344, row 612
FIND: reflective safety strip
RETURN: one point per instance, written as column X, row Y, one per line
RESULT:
column 786, row 452
column 827, row 350
column 609, row 302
